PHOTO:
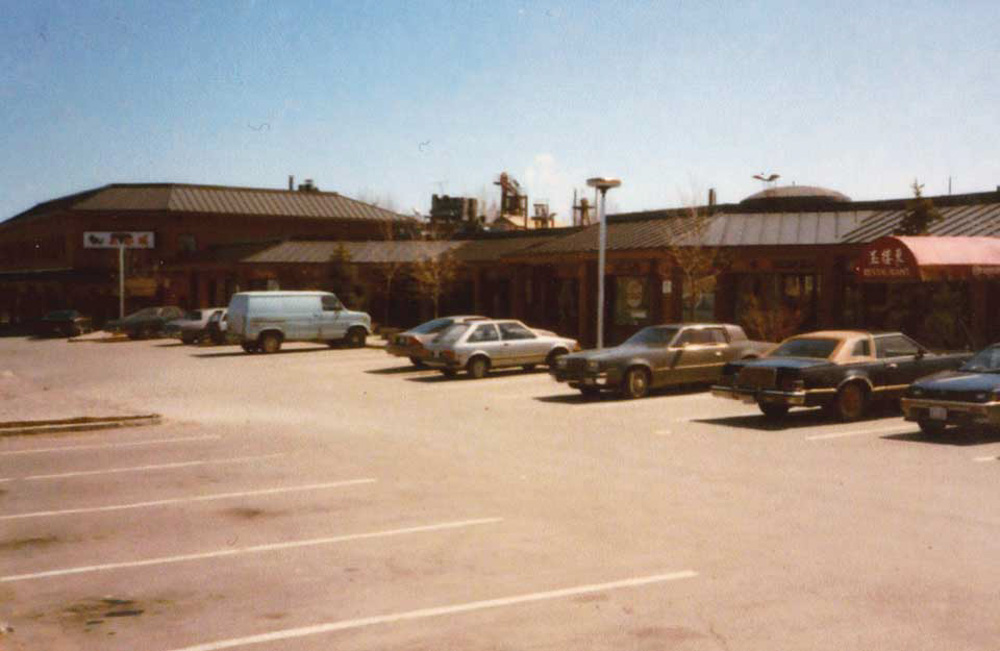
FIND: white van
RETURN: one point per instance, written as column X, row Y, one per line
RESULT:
column 262, row 321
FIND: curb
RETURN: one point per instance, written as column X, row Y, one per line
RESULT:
column 82, row 424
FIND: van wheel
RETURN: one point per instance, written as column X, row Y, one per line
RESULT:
column 478, row 367
column 356, row 338
column 269, row 343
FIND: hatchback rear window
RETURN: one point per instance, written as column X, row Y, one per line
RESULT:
column 452, row 334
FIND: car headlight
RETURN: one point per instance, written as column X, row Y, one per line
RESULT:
column 593, row 365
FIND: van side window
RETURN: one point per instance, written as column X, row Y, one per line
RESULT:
column 331, row 303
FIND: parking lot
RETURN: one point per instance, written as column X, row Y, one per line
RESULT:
column 341, row 499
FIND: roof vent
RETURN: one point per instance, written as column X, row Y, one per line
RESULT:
column 308, row 186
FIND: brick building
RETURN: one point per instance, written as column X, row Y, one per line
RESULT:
column 44, row 265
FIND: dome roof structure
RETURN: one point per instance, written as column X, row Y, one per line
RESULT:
column 795, row 197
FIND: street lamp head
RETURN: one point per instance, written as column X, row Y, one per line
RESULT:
column 603, row 183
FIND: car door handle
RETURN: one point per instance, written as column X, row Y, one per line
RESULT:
column 893, row 365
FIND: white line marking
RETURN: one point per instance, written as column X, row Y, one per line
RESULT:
column 100, row 446
column 985, row 459
column 251, row 550
column 662, row 432
column 436, row 612
column 179, row 500
column 160, row 466
column 838, row 435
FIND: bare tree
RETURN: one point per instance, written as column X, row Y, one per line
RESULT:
column 434, row 273
column 699, row 263
column 390, row 268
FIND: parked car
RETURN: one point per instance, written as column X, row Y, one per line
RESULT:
column 262, row 321
column 658, row 356
column 218, row 325
column 478, row 346
column 964, row 397
column 63, row 323
column 841, row 371
column 412, row 344
column 147, row 322
column 192, row 328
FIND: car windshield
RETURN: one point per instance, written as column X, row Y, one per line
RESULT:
column 654, row 336
column 61, row 314
column 815, row 348
column 985, row 361
column 452, row 334
column 437, row 325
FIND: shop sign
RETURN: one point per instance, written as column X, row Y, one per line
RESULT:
column 887, row 260
column 119, row 239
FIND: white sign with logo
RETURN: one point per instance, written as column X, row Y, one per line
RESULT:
column 119, row 239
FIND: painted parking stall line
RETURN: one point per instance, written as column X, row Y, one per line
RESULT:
column 255, row 549
column 159, row 466
column 184, row 500
column 986, row 459
column 425, row 613
column 865, row 432
column 105, row 446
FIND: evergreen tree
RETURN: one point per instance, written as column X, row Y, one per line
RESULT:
column 920, row 215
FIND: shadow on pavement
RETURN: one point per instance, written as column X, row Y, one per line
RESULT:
column 396, row 370
column 464, row 377
column 792, row 420
column 577, row 398
column 171, row 345
column 951, row 436
column 241, row 353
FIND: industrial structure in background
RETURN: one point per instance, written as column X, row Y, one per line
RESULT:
column 454, row 215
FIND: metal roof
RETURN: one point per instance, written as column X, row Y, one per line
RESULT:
column 178, row 197
column 377, row 252
column 972, row 220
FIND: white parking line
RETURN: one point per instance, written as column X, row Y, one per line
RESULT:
column 102, row 446
column 163, row 560
column 425, row 613
column 161, row 466
column 838, row 435
column 986, row 459
column 180, row 500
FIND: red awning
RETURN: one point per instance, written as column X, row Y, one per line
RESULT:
column 929, row 258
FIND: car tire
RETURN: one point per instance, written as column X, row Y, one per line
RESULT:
column 773, row 411
column 478, row 367
column 356, row 338
column 851, row 402
column 249, row 347
column 269, row 343
column 932, row 428
column 550, row 361
column 635, row 384
column 417, row 362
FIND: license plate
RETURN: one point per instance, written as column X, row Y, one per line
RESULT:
column 938, row 413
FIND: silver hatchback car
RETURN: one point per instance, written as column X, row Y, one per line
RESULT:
column 478, row 346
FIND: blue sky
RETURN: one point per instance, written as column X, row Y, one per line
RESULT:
column 405, row 99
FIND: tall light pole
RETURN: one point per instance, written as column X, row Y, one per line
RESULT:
column 602, row 184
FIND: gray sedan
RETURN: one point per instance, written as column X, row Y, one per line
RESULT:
column 479, row 346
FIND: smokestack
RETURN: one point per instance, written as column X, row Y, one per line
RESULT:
column 291, row 182
column 711, row 197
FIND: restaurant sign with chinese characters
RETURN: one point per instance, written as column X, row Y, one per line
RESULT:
column 885, row 260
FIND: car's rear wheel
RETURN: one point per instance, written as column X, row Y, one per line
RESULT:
column 931, row 427
column 417, row 362
column 851, row 402
column 773, row 411
column 269, row 343
column 356, row 338
column 478, row 367
column 635, row 384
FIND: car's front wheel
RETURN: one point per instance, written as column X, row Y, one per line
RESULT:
column 851, row 402
column 478, row 367
column 773, row 411
column 635, row 384
column 931, row 427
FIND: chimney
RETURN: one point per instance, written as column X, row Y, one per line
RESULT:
column 711, row 199
column 291, row 182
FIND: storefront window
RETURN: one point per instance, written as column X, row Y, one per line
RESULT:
column 631, row 300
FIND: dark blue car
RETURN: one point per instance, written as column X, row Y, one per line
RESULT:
column 964, row 397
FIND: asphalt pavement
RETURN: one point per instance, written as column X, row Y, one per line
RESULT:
column 335, row 498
